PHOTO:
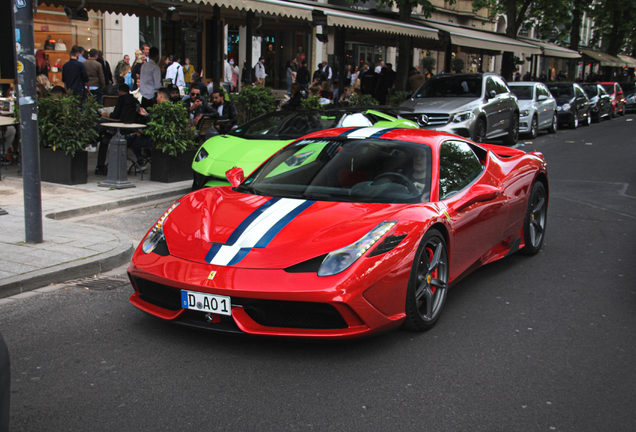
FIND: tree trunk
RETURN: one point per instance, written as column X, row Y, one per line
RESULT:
column 575, row 39
column 404, row 47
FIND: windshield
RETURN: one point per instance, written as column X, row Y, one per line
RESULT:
column 450, row 86
column 287, row 126
column 609, row 88
column 561, row 91
column 522, row 92
column 336, row 169
column 590, row 89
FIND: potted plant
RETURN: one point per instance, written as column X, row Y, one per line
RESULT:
column 65, row 127
column 173, row 137
column 253, row 101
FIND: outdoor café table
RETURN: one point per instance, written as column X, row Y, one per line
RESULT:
column 117, row 166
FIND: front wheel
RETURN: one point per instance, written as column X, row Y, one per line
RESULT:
column 534, row 128
column 535, row 220
column 588, row 120
column 428, row 283
column 480, row 131
column 575, row 120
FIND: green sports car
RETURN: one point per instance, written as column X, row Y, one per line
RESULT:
column 254, row 142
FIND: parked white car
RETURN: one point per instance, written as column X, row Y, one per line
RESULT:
column 537, row 108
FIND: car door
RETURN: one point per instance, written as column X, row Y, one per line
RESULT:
column 476, row 225
column 605, row 101
column 492, row 108
column 546, row 107
column 508, row 102
column 581, row 101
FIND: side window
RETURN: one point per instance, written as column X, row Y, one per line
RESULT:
column 458, row 167
column 490, row 85
column 578, row 90
column 602, row 91
column 544, row 91
column 501, row 87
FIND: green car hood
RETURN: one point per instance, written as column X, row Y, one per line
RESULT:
column 227, row 151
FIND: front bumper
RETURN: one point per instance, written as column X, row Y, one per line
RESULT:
column 463, row 129
column 270, row 302
column 525, row 124
column 566, row 117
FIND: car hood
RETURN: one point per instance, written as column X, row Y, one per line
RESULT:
column 564, row 100
column 440, row 105
column 227, row 151
column 227, row 228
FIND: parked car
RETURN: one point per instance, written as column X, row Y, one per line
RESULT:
column 5, row 386
column 344, row 233
column 618, row 97
column 600, row 101
column 477, row 106
column 537, row 108
column 629, row 92
column 250, row 144
column 573, row 105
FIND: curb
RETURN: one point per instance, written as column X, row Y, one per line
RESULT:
column 82, row 211
column 98, row 263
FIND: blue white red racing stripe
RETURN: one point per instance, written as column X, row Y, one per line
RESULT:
column 257, row 230
column 367, row 132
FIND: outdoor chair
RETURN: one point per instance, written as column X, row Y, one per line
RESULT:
column 109, row 101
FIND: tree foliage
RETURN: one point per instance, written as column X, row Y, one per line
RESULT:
column 169, row 128
column 253, row 101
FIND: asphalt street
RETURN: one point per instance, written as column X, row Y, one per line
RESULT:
column 543, row 343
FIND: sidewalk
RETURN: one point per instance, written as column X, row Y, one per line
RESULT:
column 70, row 250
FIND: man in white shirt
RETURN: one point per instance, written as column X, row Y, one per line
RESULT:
column 227, row 81
column 327, row 71
column 150, row 78
column 379, row 67
column 175, row 72
column 259, row 71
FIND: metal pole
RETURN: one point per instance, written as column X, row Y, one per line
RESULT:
column 27, row 98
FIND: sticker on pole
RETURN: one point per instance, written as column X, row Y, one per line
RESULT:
column 20, row 67
column 20, row 3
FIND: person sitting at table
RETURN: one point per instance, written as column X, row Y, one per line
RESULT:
column 196, row 105
column 58, row 90
column 295, row 100
column 175, row 95
column 228, row 115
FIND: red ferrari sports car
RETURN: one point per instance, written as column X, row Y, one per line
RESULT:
column 343, row 233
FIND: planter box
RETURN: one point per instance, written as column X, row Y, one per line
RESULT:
column 168, row 169
column 58, row 167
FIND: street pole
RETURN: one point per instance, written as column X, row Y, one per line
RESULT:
column 27, row 99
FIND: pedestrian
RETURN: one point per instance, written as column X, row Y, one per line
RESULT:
column 96, row 80
column 378, row 68
column 327, row 71
column 175, row 72
column 140, row 59
column 526, row 76
column 120, row 65
column 318, row 75
column 416, row 79
column 108, row 74
column 259, row 71
column 227, row 75
column 543, row 77
column 302, row 76
column 74, row 74
column 150, row 78
column 188, row 70
column 290, row 76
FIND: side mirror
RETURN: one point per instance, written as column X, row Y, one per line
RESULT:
column 478, row 193
column 235, row 176
column 542, row 98
column 492, row 94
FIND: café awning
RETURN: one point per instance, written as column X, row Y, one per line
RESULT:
column 630, row 62
column 159, row 7
column 374, row 24
column 603, row 59
column 463, row 36
column 553, row 50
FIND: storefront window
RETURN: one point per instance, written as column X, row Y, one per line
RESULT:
column 55, row 33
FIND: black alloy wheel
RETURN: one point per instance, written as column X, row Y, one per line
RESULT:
column 513, row 133
column 535, row 219
column 534, row 127
column 480, row 131
column 428, row 283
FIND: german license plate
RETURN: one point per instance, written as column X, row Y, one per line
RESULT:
column 206, row 302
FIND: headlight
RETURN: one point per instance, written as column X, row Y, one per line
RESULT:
column 201, row 155
column 524, row 113
column 156, row 233
column 463, row 116
column 565, row 107
column 341, row 259
column 594, row 99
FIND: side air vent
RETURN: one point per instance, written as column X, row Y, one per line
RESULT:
column 387, row 245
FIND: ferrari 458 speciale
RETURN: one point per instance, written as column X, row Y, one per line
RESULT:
column 341, row 234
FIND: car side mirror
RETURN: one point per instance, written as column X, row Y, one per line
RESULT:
column 478, row 193
column 542, row 98
column 235, row 176
column 491, row 94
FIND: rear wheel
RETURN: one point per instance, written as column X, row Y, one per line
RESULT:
column 535, row 220
column 513, row 134
column 428, row 283
column 555, row 124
